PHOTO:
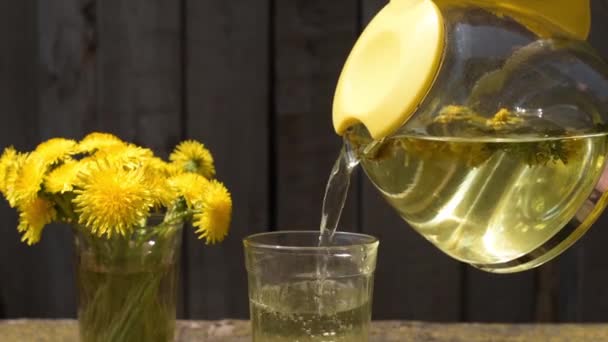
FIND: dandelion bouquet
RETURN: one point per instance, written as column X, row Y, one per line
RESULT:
column 127, row 207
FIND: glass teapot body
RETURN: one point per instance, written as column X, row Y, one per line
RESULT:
column 502, row 163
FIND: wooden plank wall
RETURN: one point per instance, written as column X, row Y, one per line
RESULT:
column 312, row 39
column 227, row 106
column 22, row 293
column 254, row 81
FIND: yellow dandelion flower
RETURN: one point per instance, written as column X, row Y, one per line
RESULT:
column 63, row 178
column 167, row 169
column 7, row 162
column 56, row 149
column 158, row 165
column 33, row 217
column 213, row 218
column 173, row 170
column 571, row 148
column 163, row 194
column 453, row 113
column 98, row 141
column 25, row 183
column 157, row 171
column 503, row 118
column 113, row 200
column 192, row 156
column 128, row 155
column 189, row 185
column 12, row 175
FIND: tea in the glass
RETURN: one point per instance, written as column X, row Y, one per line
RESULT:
column 300, row 291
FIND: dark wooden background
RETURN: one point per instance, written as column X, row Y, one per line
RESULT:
column 253, row 80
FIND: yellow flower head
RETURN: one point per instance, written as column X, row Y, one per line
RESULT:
column 191, row 186
column 55, row 150
column 163, row 194
column 26, row 181
column 453, row 113
column 8, row 161
column 63, row 178
column 158, row 171
column 167, row 169
column 97, row 141
column 33, row 217
column 192, row 156
column 213, row 217
column 113, row 200
column 158, row 164
column 128, row 155
column 503, row 118
column 13, row 163
column 22, row 185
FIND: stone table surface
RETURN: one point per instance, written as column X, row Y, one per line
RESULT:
column 237, row 331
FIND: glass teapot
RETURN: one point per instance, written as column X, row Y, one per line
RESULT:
column 482, row 123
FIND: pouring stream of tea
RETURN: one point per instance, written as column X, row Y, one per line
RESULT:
column 335, row 193
column 333, row 203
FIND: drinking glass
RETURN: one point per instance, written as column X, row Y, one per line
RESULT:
column 300, row 291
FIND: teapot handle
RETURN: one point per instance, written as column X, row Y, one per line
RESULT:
column 543, row 17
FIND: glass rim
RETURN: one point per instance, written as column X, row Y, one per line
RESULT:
column 365, row 241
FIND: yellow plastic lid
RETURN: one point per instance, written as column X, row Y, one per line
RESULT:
column 544, row 17
column 391, row 68
column 570, row 16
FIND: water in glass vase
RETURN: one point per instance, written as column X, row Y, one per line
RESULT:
column 127, row 306
column 128, row 286
column 290, row 312
column 502, row 205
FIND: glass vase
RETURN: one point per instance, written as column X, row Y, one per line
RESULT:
column 128, row 285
